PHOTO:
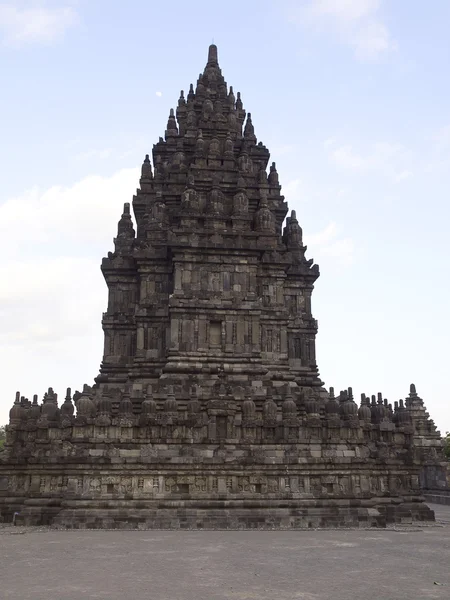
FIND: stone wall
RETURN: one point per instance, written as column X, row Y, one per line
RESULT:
column 174, row 470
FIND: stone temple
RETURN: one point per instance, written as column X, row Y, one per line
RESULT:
column 208, row 410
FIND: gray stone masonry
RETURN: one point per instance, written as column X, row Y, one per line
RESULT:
column 208, row 410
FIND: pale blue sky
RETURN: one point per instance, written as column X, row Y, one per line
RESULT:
column 350, row 96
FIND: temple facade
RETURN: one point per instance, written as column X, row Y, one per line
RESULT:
column 208, row 410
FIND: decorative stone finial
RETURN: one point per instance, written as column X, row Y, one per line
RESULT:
column 249, row 130
column 16, row 413
column 212, row 55
column 146, row 171
column 170, row 404
column 264, row 218
column 172, row 128
column 231, row 97
column 200, row 144
column 125, row 404
column 67, row 408
column 293, row 231
column 273, row 175
column 125, row 226
column 241, row 183
column 35, row 411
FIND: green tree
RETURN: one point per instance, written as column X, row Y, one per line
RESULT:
column 2, row 436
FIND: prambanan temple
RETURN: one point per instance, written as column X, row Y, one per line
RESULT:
column 208, row 410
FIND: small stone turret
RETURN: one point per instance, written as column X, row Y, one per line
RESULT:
column 264, row 218
column 231, row 97
column 125, row 227
column 289, row 408
column 239, row 102
column 273, row 175
column 146, row 171
column 270, row 409
column 349, row 408
column 332, row 405
column 85, row 406
column 50, row 410
column 172, row 128
column 125, row 405
column 35, row 410
column 170, row 404
column 293, row 232
column 67, row 409
column 149, row 407
column 104, row 405
column 403, row 416
column 248, row 410
column 364, row 412
column 213, row 60
column 249, row 130
column 191, row 94
column 16, row 414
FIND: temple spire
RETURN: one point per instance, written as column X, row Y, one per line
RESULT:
column 212, row 55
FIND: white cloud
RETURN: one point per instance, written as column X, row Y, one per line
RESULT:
column 94, row 154
column 327, row 246
column 80, row 216
column 323, row 237
column 345, row 157
column 393, row 160
column 48, row 300
column 53, row 241
column 403, row 175
column 371, row 40
column 280, row 150
column 159, row 94
column 438, row 156
column 292, row 187
column 356, row 23
column 442, row 138
column 52, row 293
column 346, row 11
column 22, row 26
